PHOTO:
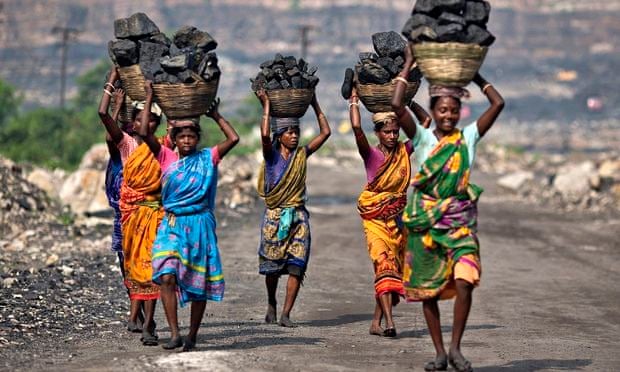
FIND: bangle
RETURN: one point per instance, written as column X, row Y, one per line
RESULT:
column 485, row 87
column 401, row 79
column 107, row 92
column 111, row 86
column 354, row 103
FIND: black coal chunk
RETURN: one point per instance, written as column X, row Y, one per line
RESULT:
column 388, row 64
column 273, row 84
column 368, row 57
column 347, row 84
column 418, row 20
column 436, row 7
column 267, row 64
column 400, row 61
column 160, row 38
column 446, row 18
column 478, row 35
column 125, row 52
column 450, row 33
column 279, row 59
column 150, row 54
column 176, row 63
column 313, row 81
column 373, row 73
column 423, row 33
column 268, row 73
column 208, row 59
column 477, row 12
column 186, row 76
column 293, row 71
column 388, row 44
column 290, row 62
column 312, row 70
column 302, row 64
column 212, row 72
column 296, row 82
column 165, row 77
column 259, row 83
column 188, row 36
column 285, row 84
column 135, row 27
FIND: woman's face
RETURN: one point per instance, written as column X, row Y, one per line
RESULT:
column 388, row 134
column 186, row 141
column 290, row 138
column 446, row 113
column 153, row 122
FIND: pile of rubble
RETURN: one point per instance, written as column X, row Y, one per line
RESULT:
column 560, row 181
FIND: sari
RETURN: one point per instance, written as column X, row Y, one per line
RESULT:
column 141, row 214
column 113, row 182
column 441, row 218
column 186, row 244
column 285, row 232
column 380, row 205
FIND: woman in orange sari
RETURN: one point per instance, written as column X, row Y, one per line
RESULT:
column 380, row 205
column 141, row 213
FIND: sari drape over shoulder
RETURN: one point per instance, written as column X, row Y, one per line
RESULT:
column 141, row 214
column 285, row 232
column 113, row 182
column 441, row 219
column 380, row 205
column 186, row 244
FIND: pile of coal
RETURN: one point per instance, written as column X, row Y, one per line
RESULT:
column 187, row 58
column 461, row 21
column 285, row 73
column 381, row 66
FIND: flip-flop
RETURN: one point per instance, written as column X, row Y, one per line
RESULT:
column 460, row 364
column 389, row 332
column 189, row 345
column 439, row 364
column 149, row 339
column 173, row 343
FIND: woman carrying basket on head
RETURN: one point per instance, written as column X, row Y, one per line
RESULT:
column 186, row 260
column 141, row 213
column 285, row 232
column 443, row 259
column 381, row 203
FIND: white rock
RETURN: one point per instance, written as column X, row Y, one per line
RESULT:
column 66, row 270
column 610, row 169
column 95, row 158
column 45, row 180
column 52, row 259
column 8, row 282
column 573, row 180
column 84, row 191
column 515, row 180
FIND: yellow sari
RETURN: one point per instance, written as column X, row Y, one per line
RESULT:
column 380, row 205
column 141, row 213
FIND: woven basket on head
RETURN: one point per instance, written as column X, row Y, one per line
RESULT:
column 126, row 113
column 449, row 64
column 185, row 100
column 289, row 103
column 133, row 82
column 378, row 97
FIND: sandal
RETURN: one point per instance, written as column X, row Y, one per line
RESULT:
column 173, row 343
column 389, row 332
column 439, row 364
column 189, row 345
column 460, row 364
column 149, row 339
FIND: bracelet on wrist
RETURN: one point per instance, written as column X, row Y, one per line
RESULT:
column 401, row 79
column 485, row 87
column 107, row 92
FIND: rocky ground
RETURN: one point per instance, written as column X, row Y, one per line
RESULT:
column 548, row 299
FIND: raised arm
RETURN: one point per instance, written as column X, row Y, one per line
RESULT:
column 145, row 131
column 115, row 133
column 324, row 131
column 354, row 114
column 265, row 133
column 423, row 117
column 119, row 98
column 398, row 105
column 232, row 138
column 487, row 119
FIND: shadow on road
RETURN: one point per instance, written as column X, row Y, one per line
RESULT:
column 256, row 342
column 340, row 320
column 416, row 333
column 539, row 364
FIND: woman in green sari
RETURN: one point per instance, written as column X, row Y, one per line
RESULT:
column 442, row 258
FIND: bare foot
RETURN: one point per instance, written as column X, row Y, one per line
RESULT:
column 286, row 322
column 271, row 317
column 375, row 330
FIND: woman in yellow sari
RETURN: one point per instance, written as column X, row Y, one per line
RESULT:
column 141, row 213
column 380, row 205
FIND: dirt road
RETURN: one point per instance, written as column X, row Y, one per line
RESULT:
column 549, row 300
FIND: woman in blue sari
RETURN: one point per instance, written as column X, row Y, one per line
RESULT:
column 186, row 260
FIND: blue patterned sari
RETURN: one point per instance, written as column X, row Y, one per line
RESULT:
column 186, row 244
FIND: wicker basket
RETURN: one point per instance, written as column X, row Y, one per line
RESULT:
column 185, row 100
column 289, row 103
column 133, row 82
column 378, row 97
column 126, row 113
column 449, row 64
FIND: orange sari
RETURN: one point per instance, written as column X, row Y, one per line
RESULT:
column 380, row 205
column 141, row 214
